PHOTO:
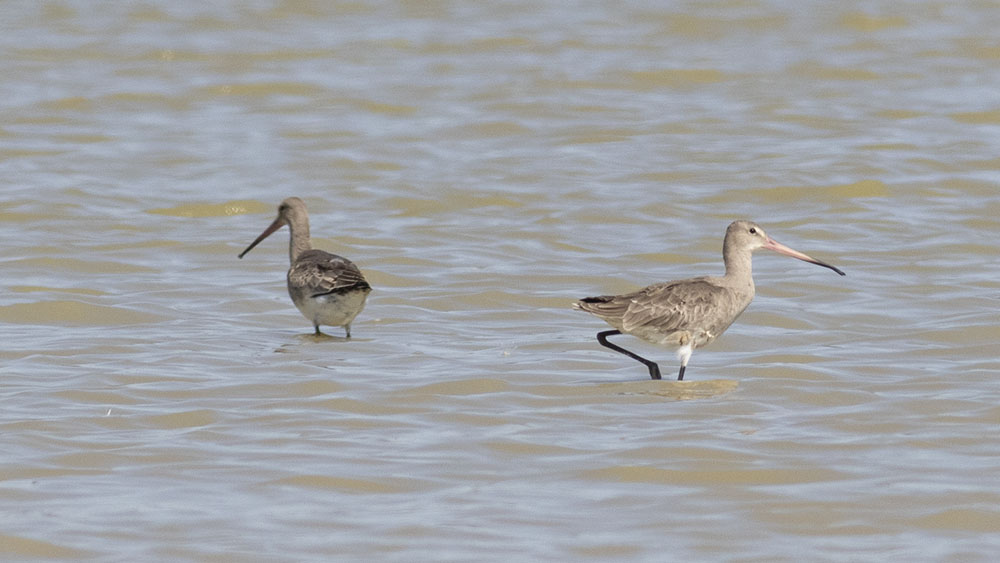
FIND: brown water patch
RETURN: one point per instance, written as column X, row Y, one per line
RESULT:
column 511, row 448
column 239, row 207
column 350, row 485
column 860, row 189
column 21, row 547
column 593, row 135
column 489, row 129
column 77, row 266
column 73, row 313
column 187, row 419
column 859, row 21
column 991, row 117
column 672, row 78
column 263, row 89
column 889, row 147
column 964, row 519
column 816, row 71
column 461, row 387
column 701, row 477
column 675, row 390
column 701, row 454
column 608, row 551
column 43, row 289
column 899, row 114
column 713, row 27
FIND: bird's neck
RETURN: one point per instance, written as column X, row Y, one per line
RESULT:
column 298, row 242
column 739, row 267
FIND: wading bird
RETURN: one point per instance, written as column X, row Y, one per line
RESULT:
column 689, row 314
column 328, row 289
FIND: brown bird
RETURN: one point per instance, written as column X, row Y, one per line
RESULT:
column 328, row 289
column 688, row 314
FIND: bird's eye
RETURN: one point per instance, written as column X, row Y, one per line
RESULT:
column 753, row 230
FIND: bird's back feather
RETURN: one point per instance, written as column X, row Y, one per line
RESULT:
column 322, row 273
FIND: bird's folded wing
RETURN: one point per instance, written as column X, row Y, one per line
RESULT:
column 334, row 274
column 672, row 306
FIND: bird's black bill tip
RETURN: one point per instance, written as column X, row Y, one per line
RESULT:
column 825, row 265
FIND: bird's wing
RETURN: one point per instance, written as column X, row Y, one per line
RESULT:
column 674, row 306
column 604, row 306
column 324, row 273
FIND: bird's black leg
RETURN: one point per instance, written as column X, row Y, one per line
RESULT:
column 680, row 376
column 654, row 369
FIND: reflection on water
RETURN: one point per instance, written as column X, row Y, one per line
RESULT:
column 688, row 390
column 485, row 167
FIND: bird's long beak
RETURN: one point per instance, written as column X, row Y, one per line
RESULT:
column 277, row 224
column 776, row 246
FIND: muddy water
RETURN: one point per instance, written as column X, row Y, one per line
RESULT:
column 485, row 166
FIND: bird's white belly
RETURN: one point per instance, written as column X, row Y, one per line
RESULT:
column 677, row 338
column 332, row 310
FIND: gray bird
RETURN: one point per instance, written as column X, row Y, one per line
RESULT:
column 327, row 289
column 689, row 314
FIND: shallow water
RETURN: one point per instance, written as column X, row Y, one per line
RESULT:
column 485, row 166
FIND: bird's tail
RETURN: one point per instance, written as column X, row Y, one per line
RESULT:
column 603, row 306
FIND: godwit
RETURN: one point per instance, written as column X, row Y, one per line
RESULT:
column 689, row 314
column 328, row 289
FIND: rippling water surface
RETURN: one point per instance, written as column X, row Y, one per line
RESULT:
column 486, row 164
